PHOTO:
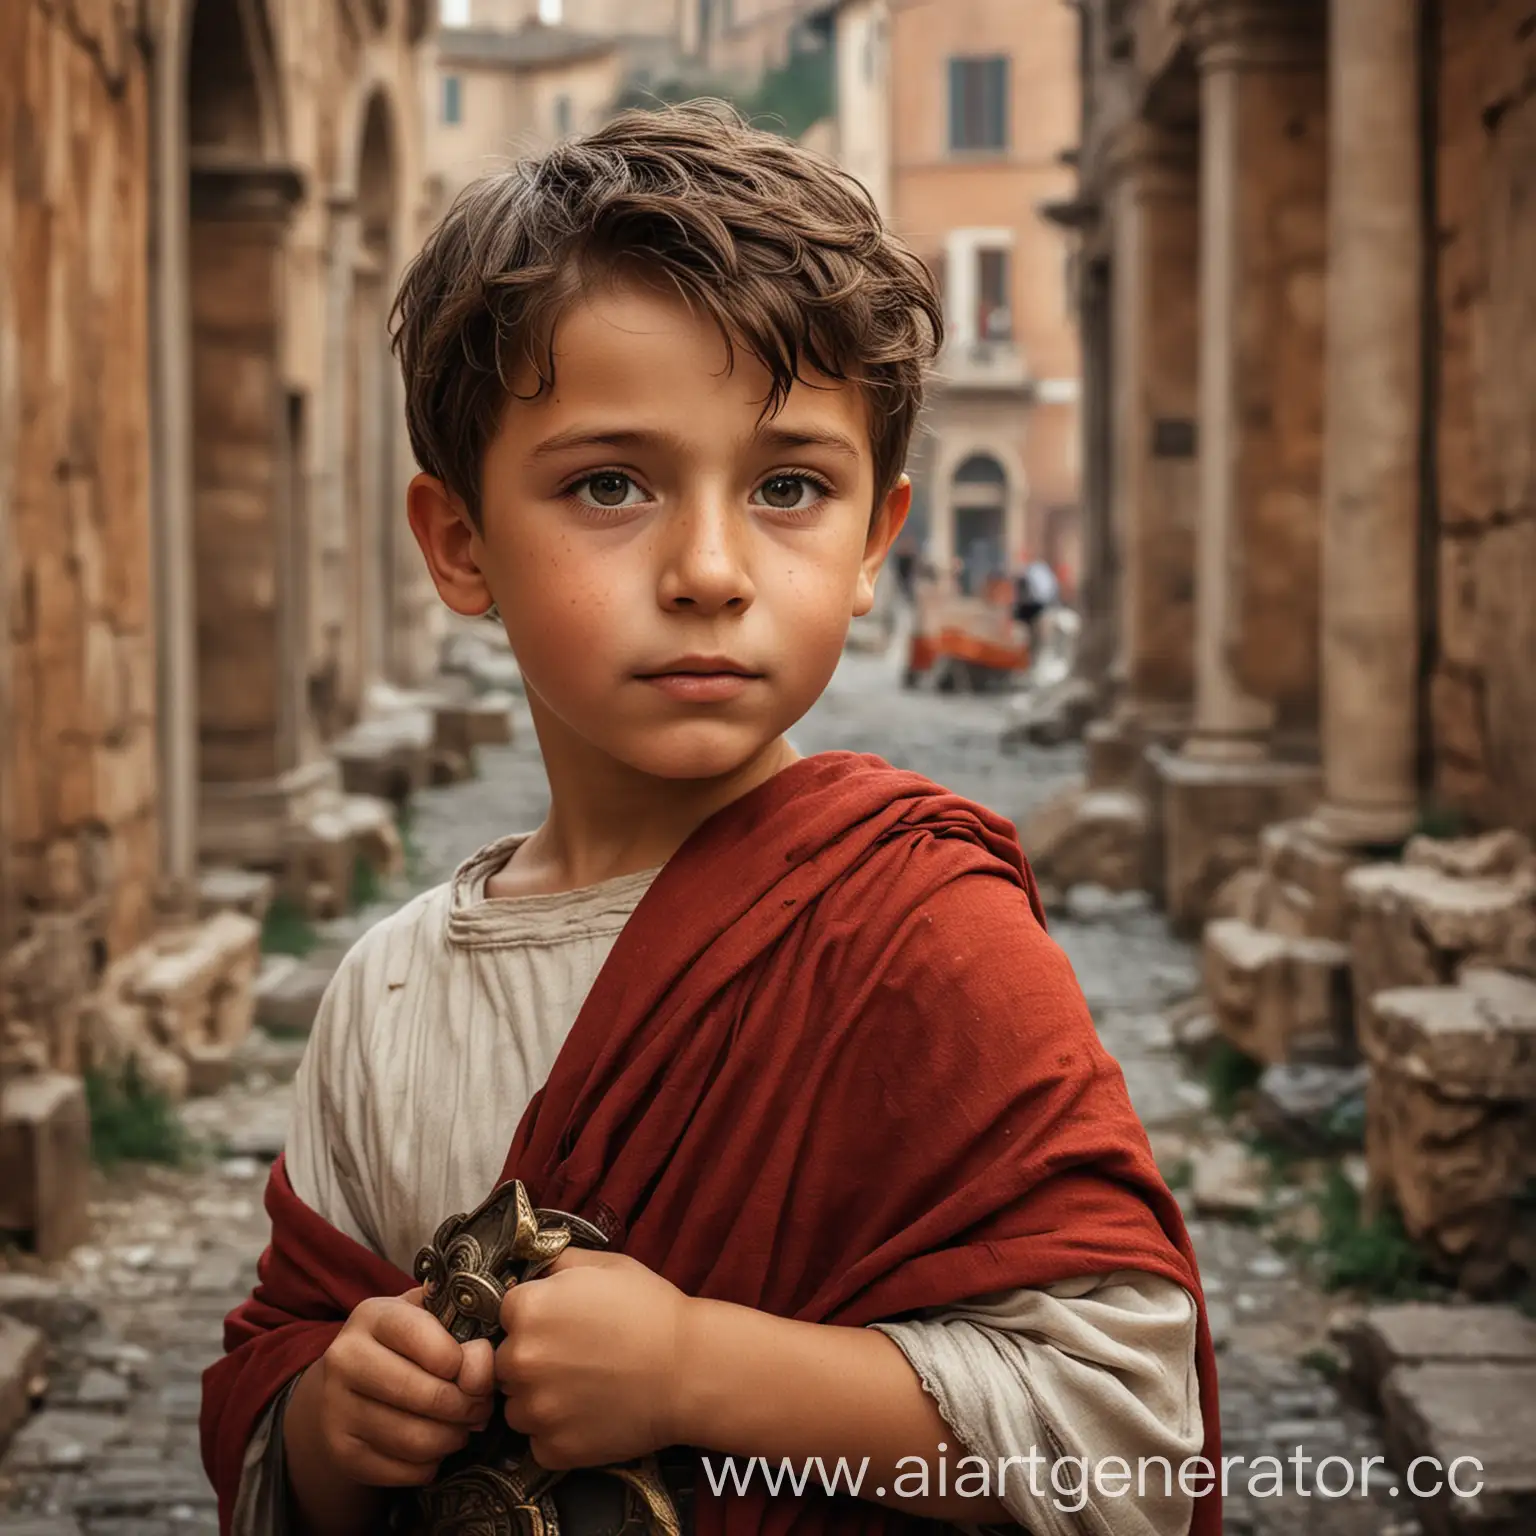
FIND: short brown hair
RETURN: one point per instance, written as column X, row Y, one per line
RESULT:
column 785, row 251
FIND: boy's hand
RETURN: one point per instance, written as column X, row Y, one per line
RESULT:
column 590, row 1364
column 397, row 1393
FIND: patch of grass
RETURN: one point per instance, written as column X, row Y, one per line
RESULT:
column 132, row 1122
column 1374, row 1256
column 287, row 931
column 1229, row 1074
column 406, row 822
column 1181, row 1175
column 1441, row 821
column 1322, row 1362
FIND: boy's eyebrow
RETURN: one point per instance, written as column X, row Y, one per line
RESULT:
column 770, row 437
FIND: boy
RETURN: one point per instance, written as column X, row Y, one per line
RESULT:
column 788, row 1032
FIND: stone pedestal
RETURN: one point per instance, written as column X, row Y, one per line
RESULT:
column 1212, row 816
column 1371, row 502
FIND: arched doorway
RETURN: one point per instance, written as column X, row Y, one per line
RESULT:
column 369, row 478
column 979, row 506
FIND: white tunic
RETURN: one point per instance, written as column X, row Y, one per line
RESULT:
column 446, row 1018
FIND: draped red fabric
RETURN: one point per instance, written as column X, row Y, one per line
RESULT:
column 833, row 1069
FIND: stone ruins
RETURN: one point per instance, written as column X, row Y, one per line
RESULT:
column 1310, row 532
column 215, row 639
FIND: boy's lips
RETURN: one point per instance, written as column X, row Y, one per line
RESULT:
column 700, row 679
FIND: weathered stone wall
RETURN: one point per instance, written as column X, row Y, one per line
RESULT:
column 78, row 813
column 1483, row 692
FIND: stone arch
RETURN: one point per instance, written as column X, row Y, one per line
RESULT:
column 979, row 489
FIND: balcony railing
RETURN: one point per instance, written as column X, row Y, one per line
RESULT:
column 983, row 365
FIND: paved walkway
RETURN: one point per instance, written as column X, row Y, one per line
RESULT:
column 137, row 1315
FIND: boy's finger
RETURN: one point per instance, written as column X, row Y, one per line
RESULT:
column 477, row 1374
column 421, row 1339
column 394, row 1380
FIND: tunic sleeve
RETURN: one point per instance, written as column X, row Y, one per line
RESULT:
column 1083, row 1374
column 320, row 1163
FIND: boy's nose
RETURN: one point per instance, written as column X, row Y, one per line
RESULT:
column 704, row 566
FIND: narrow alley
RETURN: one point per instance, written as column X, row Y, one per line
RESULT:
column 137, row 1314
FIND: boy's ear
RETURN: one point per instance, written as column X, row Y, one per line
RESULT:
column 884, row 528
column 449, row 544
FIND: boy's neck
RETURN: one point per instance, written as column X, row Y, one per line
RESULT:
column 606, row 821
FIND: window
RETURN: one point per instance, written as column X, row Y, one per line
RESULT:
column 551, row 12
column 978, row 104
column 453, row 99
column 562, row 116
column 453, row 13
column 994, row 311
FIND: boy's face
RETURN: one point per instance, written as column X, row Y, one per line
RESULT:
column 676, row 576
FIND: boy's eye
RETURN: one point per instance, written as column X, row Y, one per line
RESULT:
column 607, row 489
column 790, row 493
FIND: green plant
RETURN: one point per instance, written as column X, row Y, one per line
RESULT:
column 1373, row 1255
column 1441, row 821
column 367, row 888
column 287, row 931
column 1322, row 1362
column 133, row 1122
column 409, row 846
column 1229, row 1074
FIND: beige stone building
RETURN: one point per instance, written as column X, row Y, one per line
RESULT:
column 513, row 77
column 1307, row 284
column 981, row 100
column 204, row 205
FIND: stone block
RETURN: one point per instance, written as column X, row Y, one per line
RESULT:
column 1228, row 1180
column 374, row 834
column 45, row 1148
column 1278, row 999
column 1213, row 813
column 1472, row 1041
column 288, row 995
column 60, row 1439
column 23, row 1354
column 1451, row 1120
column 1418, row 1333
column 1481, row 1415
column 389, row 758
column 1491, row 856
column 235, row 890
column 1088, row 837
column 1301, row 1105
column 460, row 726
column 1114, row 752
column 1309, row 876
column 1412, row 925
column 197, row 993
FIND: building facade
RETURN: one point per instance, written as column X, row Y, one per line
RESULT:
column 1307, row 285
column 983, row 104
column 204, row 205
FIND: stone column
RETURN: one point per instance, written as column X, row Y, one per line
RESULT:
column 257, row 782
column 1263, row 130
column 1263, row 253
column 1098, row 595
column 1156, row 329
column 1371, row 498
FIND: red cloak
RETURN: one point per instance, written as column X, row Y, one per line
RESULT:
column 832, row 1069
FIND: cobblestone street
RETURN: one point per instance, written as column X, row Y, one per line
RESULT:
column 136, row 1316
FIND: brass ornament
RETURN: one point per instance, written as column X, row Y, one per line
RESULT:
column 494, row 1487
